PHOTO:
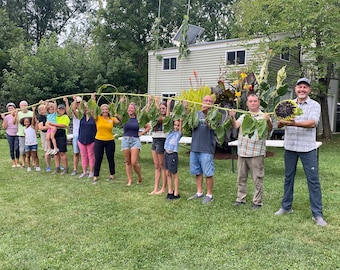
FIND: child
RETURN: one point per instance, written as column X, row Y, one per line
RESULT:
column 51, row 119
column 171, row 159
column 31, row 142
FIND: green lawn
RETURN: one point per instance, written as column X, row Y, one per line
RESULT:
column 63, row 222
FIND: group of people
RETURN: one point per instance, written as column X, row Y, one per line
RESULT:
column 93, row 135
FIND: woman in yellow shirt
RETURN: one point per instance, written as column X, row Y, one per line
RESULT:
column 104, row 141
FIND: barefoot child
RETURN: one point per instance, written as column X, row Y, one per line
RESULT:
column 31, row 142
column 171, row 159
column 51, row 119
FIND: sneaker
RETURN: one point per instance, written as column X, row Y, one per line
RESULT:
column 256, row 206
column 319, row 221
column 55, row 151
column 238, row 203
column 49, row 152
column 37, row 169
column 109, row 179
column 207, row 199
column 174, row 197
column 57, row 170
column 65, row 171
column 94, row 182
column 29, row 169
column 282, row 211
column 169, row 196
column 196, row 196
column 74, row 173
column 90, row 175
column 48, row 169
column 82, row 175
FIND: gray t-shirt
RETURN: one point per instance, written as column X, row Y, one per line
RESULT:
column 203, row 138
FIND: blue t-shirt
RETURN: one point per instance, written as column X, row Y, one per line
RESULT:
column 172, row 141
column 52, row 117
column 131, row 128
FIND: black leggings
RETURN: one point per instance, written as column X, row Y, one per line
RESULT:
column 99, row 147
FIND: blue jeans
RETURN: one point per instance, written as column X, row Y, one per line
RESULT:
column 310, row 166
column 13, row 142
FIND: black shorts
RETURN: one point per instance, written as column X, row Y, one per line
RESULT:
column 61, row 139
column 171, row 162
column 158, row 145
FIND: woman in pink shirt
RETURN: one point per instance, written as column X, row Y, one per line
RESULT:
column 11, row 134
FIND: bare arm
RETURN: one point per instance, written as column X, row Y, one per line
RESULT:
column 303, row 124
column 67, row 105
column 234, row 123
column 147, row 128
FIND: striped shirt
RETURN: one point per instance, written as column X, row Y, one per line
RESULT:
column 251, row 147
column 303, row 139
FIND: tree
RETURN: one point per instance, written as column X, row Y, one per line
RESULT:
column 10, row 36
column 49, row 72
column 40, row 18
column 313, row 27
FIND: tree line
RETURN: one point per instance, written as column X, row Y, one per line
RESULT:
column 108, row 41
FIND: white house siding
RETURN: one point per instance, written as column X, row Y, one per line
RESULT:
column 207, row 59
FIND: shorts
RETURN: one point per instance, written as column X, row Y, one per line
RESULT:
column 60, row 137
column 171, row 162
column 202, row 163
column 76, row 149
column 158, row 145
column 43, row 140
column 22, row 145
column 50, row 131
column 29, row 148
column 131, row 142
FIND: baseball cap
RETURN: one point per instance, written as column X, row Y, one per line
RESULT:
column 61, row 106
column 303, row 80
column 10, row 104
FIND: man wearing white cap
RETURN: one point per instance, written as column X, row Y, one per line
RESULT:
column 300, row 142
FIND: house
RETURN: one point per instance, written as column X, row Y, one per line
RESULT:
column 168, row 75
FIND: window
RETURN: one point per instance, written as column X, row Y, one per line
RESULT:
column 170, row 63
column 285, row 55
column 236, row 57
column 172, row 102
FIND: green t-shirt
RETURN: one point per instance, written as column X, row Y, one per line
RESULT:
column 64, row 120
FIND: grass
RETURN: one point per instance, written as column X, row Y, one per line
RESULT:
column 63, row 222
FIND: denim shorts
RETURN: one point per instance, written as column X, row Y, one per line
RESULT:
column 31, row 148
column 75, row 144
column 158, row 145
column 201, row 163
column 131, row 142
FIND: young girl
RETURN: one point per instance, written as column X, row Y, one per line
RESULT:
column 50, row 136
column 31, row 142
column 171, row 159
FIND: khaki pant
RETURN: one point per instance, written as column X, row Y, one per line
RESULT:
column 256, row 166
